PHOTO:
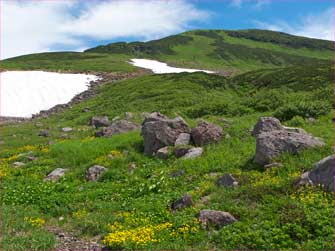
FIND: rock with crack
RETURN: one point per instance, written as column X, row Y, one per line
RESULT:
column 117, row 127
column 206, row 133
column 218, row 219
column 100, row 121
column 159, row 131
column 95, row 172
column 183, row 139
column 227, row 181
column 193, row 153
column 322, row 173
column 273, row 139
column 55, row 175
column 183, row 202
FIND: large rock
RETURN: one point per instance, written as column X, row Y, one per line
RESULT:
column 215, row 218
column 322, row 173
column 100, row 121
column 270, row 145
column 183, row 202
column 55, row 175
column 206, row 133
column 159, row 131
column 95, row 172
column 273, row 139
column 266, row 124
column 117, row 127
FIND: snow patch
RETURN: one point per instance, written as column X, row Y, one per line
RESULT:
column 160, row 67
column 24, row 93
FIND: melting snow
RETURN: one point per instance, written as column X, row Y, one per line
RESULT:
column 159, row 67
column 24, row 93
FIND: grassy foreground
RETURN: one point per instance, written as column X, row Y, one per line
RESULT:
column 129, row 208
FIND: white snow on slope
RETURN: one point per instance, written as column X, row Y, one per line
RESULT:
column 159, row 67
column 24, row 93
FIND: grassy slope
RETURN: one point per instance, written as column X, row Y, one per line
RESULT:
column 272, row 213
column 218, row 50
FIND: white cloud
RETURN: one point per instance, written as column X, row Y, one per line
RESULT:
column 319, row 25
column 34, row 26
column 255, row 4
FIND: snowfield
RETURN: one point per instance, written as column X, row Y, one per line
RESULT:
column 159, row 67
column 24, row 93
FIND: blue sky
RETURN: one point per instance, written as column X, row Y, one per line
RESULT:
column 31, row 26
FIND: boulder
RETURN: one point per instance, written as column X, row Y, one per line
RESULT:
column 227, row 181
column 163, row 153
column 193, row 153
column 322, row 173
column 100, row 121
column 271, row 144
column 206, row 133
column 67, row 129
column 177, row 173
column 95, row 172
column 183, row 202
column 44, row 133
column 55, row 175
column 183, row 139
column 117, row 127
column 159, row 131
column 215, row 218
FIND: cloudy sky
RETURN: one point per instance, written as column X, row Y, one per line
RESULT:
column 31, row 26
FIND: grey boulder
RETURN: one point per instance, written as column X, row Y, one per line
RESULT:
column 159, row 131
column 227, row 181
column 117, row 127
column 100, row 121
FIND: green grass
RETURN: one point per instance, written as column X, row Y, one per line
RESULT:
column 220, row 50
column 69, row 62
column 272, row 214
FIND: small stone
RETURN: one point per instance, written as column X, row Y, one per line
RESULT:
column 18, row 164
column 67, row 129
column 177, row 173
column 131, row 167
column 180, row 151
column 227, row 181
column 193, row 153
column 95, row 172
column 55, row 175
column 44, row 133
column 61, row 218
column 183, row 202
column 163, row 153
column 86, row 109
column 215, row 218
column 31, row 158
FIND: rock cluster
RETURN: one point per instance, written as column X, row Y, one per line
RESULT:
column 273, row 139
column 117, row 127
column 160, row 132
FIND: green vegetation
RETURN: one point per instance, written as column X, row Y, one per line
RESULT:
column 229, row 52
column 129, row 208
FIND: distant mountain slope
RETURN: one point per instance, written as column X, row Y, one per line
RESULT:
column 220, row 50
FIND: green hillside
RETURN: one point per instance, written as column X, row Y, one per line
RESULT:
column 134, row 205
column 220, row 50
